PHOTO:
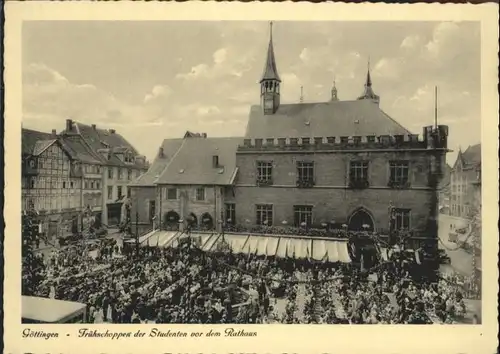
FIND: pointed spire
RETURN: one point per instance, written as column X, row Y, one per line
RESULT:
column 270, row 70
column 368, row 93
column 368, row 77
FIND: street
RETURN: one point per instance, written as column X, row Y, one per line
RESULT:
column 461, row 261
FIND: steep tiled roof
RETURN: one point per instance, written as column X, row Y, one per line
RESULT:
column 96, row 140
column 192, row 164
column 95, row 137
column 42, row 145
column 335, row 118
column 472, row 156
column 30, row 138
column 170, row 148
column 78, row 150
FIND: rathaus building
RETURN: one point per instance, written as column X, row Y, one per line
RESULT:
column 336, row 164
column 323, row 168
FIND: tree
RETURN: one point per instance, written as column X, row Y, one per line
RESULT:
column 32, row 265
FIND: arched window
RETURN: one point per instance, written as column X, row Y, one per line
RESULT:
column 361, row 220
column 207, row 221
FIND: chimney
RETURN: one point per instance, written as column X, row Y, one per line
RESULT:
column 54, row 133
column 215, row 161
column 112, row 131
column 160, row 152
column 69, row 125
column 94, row 126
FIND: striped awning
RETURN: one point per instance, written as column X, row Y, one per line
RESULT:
column 262, row 245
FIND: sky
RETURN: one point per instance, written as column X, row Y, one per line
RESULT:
column 152, row 80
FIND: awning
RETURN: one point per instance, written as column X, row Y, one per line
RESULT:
column 146, row 236
column 261, row 245
column 319, row 250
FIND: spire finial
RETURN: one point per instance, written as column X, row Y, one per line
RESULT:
column 301, row 94
column 368, row 76
column 270, row 71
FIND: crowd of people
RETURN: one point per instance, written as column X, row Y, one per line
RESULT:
column 183, row 284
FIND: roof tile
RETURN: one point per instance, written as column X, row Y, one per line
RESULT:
column 192, row 163
column 324, row 119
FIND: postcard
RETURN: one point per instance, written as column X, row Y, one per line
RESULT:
column 250, row 178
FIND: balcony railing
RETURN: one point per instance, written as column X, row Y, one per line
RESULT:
column 399, row 184
column 287, row 230
column 359, row 183
column 305, row 182
column 264, row 182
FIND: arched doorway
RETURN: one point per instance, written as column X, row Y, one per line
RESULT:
column 171, row 220
column 207, row 221
column 192, row 220
column 359, row 218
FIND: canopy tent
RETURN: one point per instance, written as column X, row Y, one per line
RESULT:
column 331, row 250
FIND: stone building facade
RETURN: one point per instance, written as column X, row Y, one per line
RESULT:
column 463, row 177
column 336, row 162
column 341, row 164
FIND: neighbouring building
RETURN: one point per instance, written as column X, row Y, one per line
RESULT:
column 53, row 181
column 144, row 197
column 444, row 191
column 196, row 182
column 463, row 175
column 477, row 228
column 120, row 164
column 336, row 162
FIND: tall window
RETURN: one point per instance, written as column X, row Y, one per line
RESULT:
column 358, row 174
column 264, row 171
column 302, row 214
column 110, row 192
column 120, row 173
column 129, row 192
column 152, row 209
column 264, row 214
column 305, row 171
column 402, row 219
column 200, row 193
column 129, row 174
column 230, row 213
column 358, row 170
column 119, row 191
column 172, row 193
column 399, row 172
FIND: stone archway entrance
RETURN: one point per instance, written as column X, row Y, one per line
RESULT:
column 192, row 220
column 359, row 218
column 207, row 221
column 171, row 220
